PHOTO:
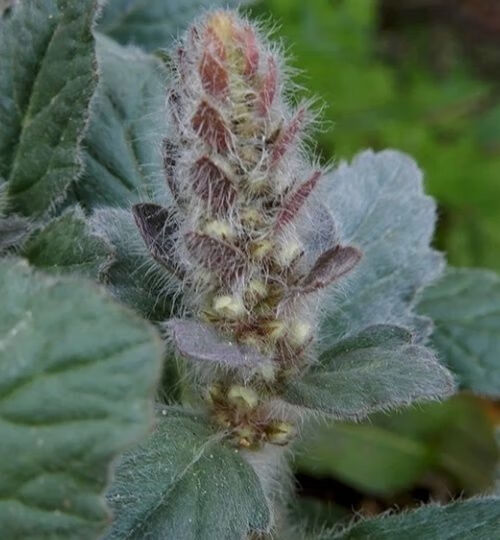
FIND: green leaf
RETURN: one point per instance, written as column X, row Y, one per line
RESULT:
column 380, row 207
column 153, row 24
column 46, row 83
column 184, row 483
column 367, row 457
column 391, row 453
column 67, row 245
column 13, row 232
column 133, row 276
column 122, row 155
column 379, row 369
column 76, row 375
column 465, row 306
column 473, row 519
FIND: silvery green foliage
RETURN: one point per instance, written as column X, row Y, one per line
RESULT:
column 153, row 24
column 187, row 184
column 465, row 306
column 120, row 150
column 378, row 203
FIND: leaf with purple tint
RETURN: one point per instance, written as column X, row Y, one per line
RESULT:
column 210, row 126
column 296, row 200
column 201, row 343
column 269, row 87
column 216, row 255
column 157, row 228
column 212, row 185
column 288, row 136
column 214, row 76
column 330, row 266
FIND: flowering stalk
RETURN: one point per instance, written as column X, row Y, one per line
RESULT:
column 246, row 233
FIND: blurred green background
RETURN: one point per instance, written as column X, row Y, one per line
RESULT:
column 422, row 76
column 418, row 75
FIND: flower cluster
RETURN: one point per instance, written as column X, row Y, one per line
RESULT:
column 246, row 232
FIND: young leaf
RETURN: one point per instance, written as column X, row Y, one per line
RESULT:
column 47, row 78
column 122, row 161
column 157, row 226
column 13, row 232
column 67, row 245
column 330, row 266
column 379, row 369
column 465, row 306
column 184, row 483
column 76, row 376
column 294, row 203
column 472, row 519
column 133, row 276
column 379, row 205
column 215, row 255
column 200, row 343
column 152, row 24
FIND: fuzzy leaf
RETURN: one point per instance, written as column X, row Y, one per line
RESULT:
column 153, row 24
column 211, row 127
column 215, row 255
column 13, row 231
column 184, row 483
column 133, row 276
column 379, row 369
column 465, row 306
column 47, row 77
column 212, row 185
column 123, row 163
column 67, row 245
column 199, row 342
column 76, row 375
column 287, row 138
column 473, row 519
column 379, row 205
column 157, row 227
column 296, row 200
column 330, row 266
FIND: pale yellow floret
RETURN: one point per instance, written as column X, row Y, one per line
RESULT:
column 261, row 249
column 280, row 433
column 243, row 397
column 251, row 217
column 288, row 252
column 257, row 288
column 222, row 24
column 275, row 329
column 229, row 306
column 268, row 372
column 218, row 229
column 299, row 332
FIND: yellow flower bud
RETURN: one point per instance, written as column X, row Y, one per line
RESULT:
column 229, row 306
column 243, row 397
